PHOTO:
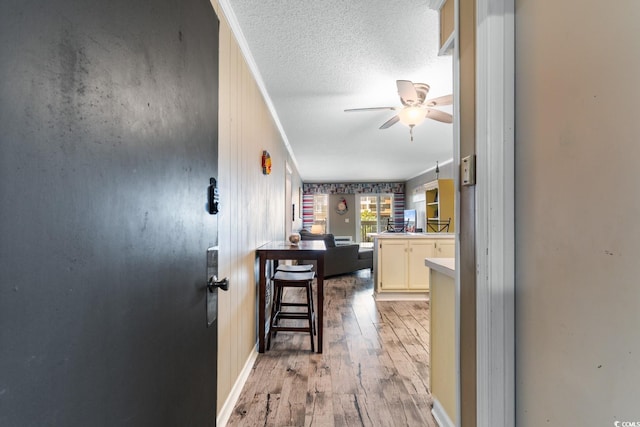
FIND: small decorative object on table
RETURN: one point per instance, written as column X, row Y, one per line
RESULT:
column 294, row 239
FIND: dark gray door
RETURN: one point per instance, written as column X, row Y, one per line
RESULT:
column 108, row 139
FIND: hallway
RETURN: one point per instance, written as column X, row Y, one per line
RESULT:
column 374, row 370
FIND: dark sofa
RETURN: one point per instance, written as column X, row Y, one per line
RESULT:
column 340, row 259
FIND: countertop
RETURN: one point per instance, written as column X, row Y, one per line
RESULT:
column 413, row 235
column 446, row 266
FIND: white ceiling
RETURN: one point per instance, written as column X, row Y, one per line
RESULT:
column 317, row 58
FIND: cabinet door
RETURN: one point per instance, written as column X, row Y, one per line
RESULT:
column 393, row 265
column 445, row 249
column 418, row 272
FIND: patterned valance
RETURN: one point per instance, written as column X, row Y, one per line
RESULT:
column 397, row 188
column 354, row 188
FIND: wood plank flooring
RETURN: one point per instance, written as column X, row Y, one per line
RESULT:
column 374, row 370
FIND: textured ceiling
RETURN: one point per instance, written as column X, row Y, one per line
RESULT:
column 317, row 58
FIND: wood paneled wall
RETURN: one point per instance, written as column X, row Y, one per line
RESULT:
column 252, row 205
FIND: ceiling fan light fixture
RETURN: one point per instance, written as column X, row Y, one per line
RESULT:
column 412, row 116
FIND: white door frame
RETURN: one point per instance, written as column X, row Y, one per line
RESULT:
column 495, row 292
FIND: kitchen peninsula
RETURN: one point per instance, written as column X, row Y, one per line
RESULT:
column 398, row 263
column 443, row 380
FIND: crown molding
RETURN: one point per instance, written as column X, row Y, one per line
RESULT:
column 232, row 20
column 436, row 4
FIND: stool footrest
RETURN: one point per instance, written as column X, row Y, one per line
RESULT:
column 291, row 329
column 290, row 315
column 293, row 304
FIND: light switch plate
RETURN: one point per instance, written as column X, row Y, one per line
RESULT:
column 468, row 171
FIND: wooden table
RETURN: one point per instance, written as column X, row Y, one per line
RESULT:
column 275, row 251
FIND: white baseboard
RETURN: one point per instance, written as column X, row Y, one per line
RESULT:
column 440, row 415
column 225, row 412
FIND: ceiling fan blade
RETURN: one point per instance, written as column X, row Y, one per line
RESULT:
column 350, row 110
column 392, row 121
column 407, row 91
column 440, row 116
column 439, row 101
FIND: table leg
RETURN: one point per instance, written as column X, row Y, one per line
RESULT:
column 262, row 291
column 320, row 300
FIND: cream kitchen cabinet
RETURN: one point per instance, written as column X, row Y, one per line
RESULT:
column 399, row 266
column 445, row 249
column 392, row 264
column 417, row 251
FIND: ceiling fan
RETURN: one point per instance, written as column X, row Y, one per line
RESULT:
column 415, row 107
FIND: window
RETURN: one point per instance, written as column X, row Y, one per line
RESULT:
column 320, row 211
column 375, row 213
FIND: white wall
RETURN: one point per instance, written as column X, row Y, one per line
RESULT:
column 253, row 209
column 446, row 172
column 577, row 212
column 337, row 224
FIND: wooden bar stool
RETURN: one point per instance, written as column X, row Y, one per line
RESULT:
column 298, row 268
column 287, row 279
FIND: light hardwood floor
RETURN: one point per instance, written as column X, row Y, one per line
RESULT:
column 374, row 370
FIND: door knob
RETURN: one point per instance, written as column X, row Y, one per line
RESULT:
column 215, row 283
